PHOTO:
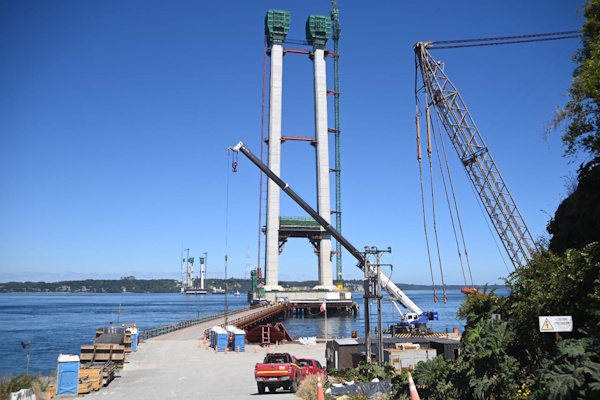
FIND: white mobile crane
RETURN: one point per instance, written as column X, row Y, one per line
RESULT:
column 475, row 157
column 416, row 319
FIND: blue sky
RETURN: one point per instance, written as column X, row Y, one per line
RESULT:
column 116, row 117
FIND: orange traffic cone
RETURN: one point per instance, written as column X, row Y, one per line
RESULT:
column 277, row 344
column 267, row 349
column 255, row 349
column 414, row 395
column 238, row 350
column 199, row 344
column 216, row 349
column 320, row 394
column 225, row 349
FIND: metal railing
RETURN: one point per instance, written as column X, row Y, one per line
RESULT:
column 162, row 330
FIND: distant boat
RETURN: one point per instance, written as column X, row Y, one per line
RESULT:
column 218, row 290
column 237, row 293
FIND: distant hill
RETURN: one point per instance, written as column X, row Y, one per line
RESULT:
column 131, row 285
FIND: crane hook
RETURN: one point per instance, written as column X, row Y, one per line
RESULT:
column 234, row 163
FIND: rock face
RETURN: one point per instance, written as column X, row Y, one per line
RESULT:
column 576, row 222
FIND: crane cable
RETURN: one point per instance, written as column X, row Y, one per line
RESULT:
column 418, row 112
column 437, row 242
column 494, row 41
column 451, row 183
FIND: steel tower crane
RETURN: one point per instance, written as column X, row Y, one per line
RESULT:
column 475, row 157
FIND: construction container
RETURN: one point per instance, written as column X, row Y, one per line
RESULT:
column 339, row 353
column 239, row 340
column 407, row 355
column 68, row 375
column 448, row 347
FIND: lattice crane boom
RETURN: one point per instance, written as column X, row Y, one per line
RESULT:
column 475, row 157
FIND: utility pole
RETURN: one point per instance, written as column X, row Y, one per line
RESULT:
column 373, row 290
column 226, row 308
column 366, row 297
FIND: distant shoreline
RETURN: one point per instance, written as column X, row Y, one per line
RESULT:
column 132, row 285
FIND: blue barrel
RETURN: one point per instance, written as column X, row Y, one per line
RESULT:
column 68, row 375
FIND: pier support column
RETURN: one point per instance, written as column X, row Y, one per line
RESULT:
column 277, row 25
column 318, row 29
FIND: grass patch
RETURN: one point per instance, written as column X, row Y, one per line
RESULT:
column 11, row 384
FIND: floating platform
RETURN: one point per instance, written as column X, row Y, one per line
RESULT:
column 194, row 291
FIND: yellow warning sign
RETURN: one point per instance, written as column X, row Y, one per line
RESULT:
column 547, row 325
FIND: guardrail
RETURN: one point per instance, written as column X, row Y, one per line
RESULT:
column 163, row 330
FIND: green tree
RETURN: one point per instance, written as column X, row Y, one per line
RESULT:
column 582, row 111
column 485, row 369
column 573, row 372
column 554, row 285
column 434, row 379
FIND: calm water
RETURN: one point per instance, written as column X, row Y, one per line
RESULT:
column 58, row 323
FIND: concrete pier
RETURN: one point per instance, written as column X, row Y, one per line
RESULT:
column 273, row 191
column 323, row 196
column 178, row 366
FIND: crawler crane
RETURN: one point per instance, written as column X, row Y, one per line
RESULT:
column 475, row 157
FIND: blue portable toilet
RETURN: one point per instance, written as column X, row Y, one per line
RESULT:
column 221, row 339
column 214, row 336
column 134, row 338
column 239, row 340
column 68, row 375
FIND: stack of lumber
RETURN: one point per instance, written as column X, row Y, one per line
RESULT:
column 85, row 386
column 92, row 375
column 103, row 353
column 98, row 375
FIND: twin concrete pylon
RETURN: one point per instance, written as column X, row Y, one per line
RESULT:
column 317, row 32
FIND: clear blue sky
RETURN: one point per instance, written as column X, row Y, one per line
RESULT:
column 115, row 119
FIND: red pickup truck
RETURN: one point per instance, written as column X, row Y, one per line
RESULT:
column 311, row 366
column 276, row 371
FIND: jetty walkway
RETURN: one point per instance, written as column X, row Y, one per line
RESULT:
column 179, row 365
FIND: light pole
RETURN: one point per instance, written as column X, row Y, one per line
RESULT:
column 28, row 346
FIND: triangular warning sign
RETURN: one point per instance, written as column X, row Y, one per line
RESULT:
column 547, row 325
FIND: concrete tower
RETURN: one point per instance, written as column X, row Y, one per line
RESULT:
column 318, row 30
column 277, row 25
